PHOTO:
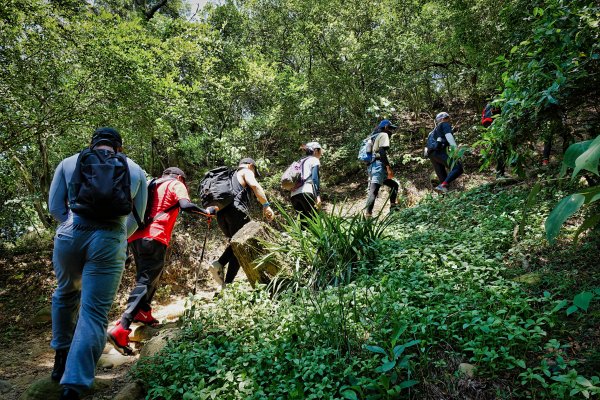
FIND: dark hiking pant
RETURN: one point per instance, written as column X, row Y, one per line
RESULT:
column 374, row 191
column 149, row 258
column 231, row 220
column 304, row 203
column 439, row 159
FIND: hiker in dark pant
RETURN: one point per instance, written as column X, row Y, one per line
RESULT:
column 307, row 198
column 439, row 158
column 88, row 258
column 233, row 217
column 149, row 247
column 380, row 171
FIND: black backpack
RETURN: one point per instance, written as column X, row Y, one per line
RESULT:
column 152, row 186
column 216, row 188
column 100, row 188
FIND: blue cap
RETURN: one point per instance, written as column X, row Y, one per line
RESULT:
column 386, row 122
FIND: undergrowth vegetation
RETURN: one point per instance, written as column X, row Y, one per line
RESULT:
column 437, row 311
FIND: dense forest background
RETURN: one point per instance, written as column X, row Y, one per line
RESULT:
column 489, row 292
column 202, row 87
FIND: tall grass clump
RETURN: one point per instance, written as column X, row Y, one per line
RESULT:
column 328, row 249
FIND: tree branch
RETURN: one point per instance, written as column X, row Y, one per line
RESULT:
column 150, row 13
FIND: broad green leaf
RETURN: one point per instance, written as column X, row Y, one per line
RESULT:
column 376, row 349
column 567, row 207
column 589, row 159
column 349, row 394
column 401, row 329
column 582, row 300
column 521, row 364
column 407, row 384
column 385, row 367
column 398, row 350
column 412, row 343
column 591, row 194
column 571, row 310
column 583, row 382
column 572, row 153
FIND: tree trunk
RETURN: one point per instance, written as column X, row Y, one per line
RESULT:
column 248, row 248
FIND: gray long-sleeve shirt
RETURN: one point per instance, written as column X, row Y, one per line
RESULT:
column 58, row 199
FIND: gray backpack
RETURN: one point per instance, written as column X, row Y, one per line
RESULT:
column 292, row 177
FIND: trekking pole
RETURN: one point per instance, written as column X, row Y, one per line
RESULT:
column 209, row 220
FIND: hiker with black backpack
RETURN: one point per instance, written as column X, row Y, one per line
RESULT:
column 166, row 196
column 93, row 195
column 229, row 190
column 302, row 179
column 439, row 139
column 379, row 168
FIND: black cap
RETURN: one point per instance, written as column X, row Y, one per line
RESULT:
column 107, row 136
column 251, row 161
column 174, row 171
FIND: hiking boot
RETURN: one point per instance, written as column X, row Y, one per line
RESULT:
column 146, row 318
column 217, row 272
column 394, row 207
column 60, row 360
column 119, row 338
column 69, row 394
column 441, row 189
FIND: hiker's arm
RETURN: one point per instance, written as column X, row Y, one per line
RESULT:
column 259, row 192
column 316, row 180
column 57, row 199
column 447, row 131
column 251, row 181
column 187, row 206
column 383, row 156
column 140, row 199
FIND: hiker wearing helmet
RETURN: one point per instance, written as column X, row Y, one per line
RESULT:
column 306, row 199
column 89, row 251
column 234, row 216
column 442, row 134
column 380, row 172
column 166, row 195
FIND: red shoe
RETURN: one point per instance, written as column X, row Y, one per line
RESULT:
column 545, row 162
column 146, row 318
column 119, row 338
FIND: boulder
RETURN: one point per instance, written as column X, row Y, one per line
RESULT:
column 158, row 342
column 142, row 333
column 247, row 245
column 114, row 359
column 47, row 389
column 467, row 369
column 131, row 391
